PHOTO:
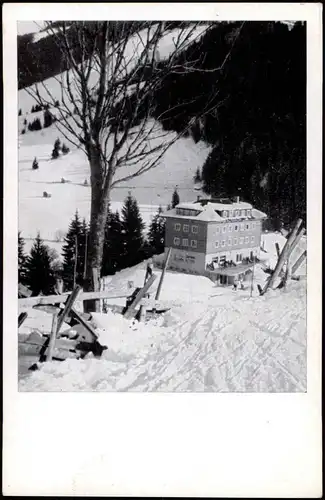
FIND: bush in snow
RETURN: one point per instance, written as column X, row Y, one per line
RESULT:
column 85, row 182
column 19, row 113
column 57, row 104
column 65, row 150
column 23, row 131
column 35, row 164
column 39, row 275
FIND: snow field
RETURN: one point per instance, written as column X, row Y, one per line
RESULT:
column 211, row 340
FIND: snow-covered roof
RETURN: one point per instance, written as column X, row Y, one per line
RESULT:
column 207, row 211
column 257, row 214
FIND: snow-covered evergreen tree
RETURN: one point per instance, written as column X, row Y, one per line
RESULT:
column 21, row 260
column 39, row 275
column 133, row 227
column 35, row 164
column 113, row 244
column 175, row 198
column 156, row 235
column 74, row 247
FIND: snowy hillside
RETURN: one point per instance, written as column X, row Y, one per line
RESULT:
column 212, row 339
column 52, row 215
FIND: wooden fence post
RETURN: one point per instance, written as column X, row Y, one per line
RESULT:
column 298, row 263
column 283, row 256
column 52, row 337
column 163, row 274
column 68, row 306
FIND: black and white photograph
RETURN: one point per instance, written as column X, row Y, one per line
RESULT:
column 162, row 206
column 162, row 249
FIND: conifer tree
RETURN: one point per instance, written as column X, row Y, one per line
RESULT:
column 175, row 198
column 73, row 252
column 48, row 118
column 113, row 244
column 133, row 227
column 39, row 275
column 35, row 164
column 21, row 260
column 156, row 235
column 56, row 149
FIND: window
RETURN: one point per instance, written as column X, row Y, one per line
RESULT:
column 224, row 229
column 253, row 225
column 242, row 227
column 216, row 244
column 225, row 213
column 247, row 239
column 239, row 257
column 230, row 213
column 247, row 227
column 253, row 239
column 236, row 228
column 223, row 243
column 249, row 213
column 215, row 259
column 241, row 241
column 186, row 228
column 236, row 213
column 195, row 229
column 217, row 230
column 193, row 243
column 177, row 227
column 230, row 228
column 185, row 242
column 229, row 241
column 176, row 241
column 235, row 241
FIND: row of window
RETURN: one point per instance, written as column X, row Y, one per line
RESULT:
column 237, row 213
column 186, row 228
column 235, row 241
column 185, row 242
column 237, row 227
column 187, row 211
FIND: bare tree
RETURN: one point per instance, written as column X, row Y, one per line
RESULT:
column 106, row 102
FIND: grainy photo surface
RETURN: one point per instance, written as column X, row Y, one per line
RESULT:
column 162, row 206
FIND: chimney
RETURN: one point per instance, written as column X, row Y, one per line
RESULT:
column 237, row 199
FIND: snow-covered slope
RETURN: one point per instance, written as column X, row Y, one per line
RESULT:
column 212, row 339
column 49, row 215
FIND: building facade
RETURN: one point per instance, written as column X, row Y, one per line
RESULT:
column 209, row 232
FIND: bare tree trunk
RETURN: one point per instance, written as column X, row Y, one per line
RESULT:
column 98, row 216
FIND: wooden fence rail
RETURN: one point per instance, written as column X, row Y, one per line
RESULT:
column 57, row 299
